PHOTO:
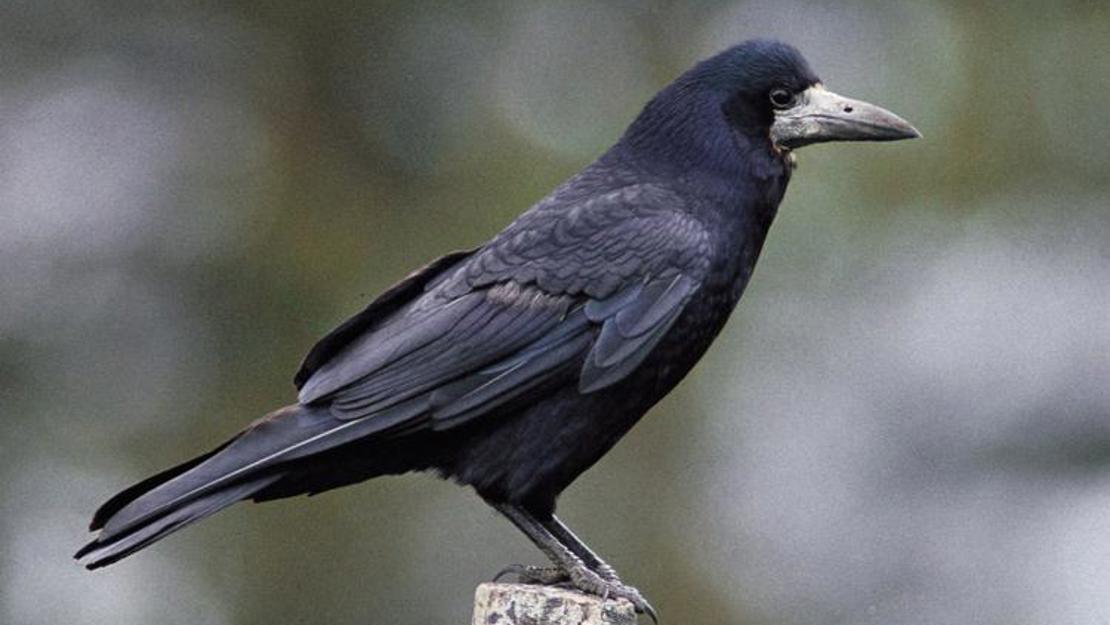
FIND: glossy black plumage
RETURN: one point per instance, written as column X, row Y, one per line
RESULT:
column 514, row 367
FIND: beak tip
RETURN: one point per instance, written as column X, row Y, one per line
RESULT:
column 901, row 129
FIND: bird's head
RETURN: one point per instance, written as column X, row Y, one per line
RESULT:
column 765, row 92
column 770, row 89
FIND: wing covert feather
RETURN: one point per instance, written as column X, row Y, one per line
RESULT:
column 630, row 332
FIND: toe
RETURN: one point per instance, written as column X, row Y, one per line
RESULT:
column 638, row 601
column 608, row 573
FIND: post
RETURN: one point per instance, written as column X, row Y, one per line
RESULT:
column 525, row 604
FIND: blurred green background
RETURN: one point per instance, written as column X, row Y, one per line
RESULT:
column 906, row 421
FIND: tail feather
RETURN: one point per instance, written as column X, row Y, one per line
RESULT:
column 108, row 549
column 245, row 465
column 124, row 497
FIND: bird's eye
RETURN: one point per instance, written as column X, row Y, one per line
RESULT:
column 781, row 98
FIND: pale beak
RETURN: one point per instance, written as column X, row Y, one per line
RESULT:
column 820, row 115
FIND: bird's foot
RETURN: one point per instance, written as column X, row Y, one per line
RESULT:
column 593, row 582
column 540, row 575
column 551, row 575
column 602, row 583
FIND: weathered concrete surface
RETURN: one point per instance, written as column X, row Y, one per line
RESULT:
column 522, row 604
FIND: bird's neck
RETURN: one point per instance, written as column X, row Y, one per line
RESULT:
column 684, row 131
column 687, row 136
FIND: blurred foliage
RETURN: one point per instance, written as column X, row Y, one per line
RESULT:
column 192, row 192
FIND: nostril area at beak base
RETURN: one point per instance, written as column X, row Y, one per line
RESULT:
column 848, row 109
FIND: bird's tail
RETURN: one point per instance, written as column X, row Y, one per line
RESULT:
column 240, row 468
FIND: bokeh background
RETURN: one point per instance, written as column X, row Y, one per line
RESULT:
column 907, row 420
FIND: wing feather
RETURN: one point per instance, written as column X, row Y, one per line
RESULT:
column 383, row 307
column 377, row 349
column 585, row 289
column 629, row 333
column 506, row 322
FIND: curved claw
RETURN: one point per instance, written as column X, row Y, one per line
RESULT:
column 637, row 600
column 512, row 569
column 646, row 608
column 589, row 581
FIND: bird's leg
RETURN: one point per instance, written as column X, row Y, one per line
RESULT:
column 577, row 573
column 528, row 574
column 563, row 534
column 553, row 575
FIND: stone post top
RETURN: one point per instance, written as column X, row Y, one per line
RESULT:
column 526, row 604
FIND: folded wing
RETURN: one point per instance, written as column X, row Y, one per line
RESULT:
column 579, row 294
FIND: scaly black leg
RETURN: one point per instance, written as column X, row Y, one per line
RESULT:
column 563, row 534
column 554, row 575
column 576, row 572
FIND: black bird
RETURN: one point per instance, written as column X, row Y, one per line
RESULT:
column 515, row 366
